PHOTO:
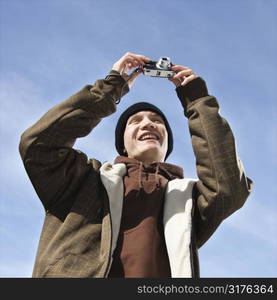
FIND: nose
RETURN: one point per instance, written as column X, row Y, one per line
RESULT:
column 147, row 123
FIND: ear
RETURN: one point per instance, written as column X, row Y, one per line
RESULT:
column 125, row 153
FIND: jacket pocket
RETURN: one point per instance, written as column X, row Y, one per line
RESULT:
column 71, row 266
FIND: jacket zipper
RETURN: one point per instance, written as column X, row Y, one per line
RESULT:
column 192, row 238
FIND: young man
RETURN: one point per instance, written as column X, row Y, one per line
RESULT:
column 137, row 217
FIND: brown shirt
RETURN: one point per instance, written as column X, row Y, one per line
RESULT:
column 141, row 249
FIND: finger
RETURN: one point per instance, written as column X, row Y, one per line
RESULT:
column 137, row 63
column 178, row 68
column 188, row 79
column 133, row 76
column 128, row 61
column 132, row 63
column 144, row 58
column 141, row 58
column 136, row 73
column 126, row 69
column 184, row 73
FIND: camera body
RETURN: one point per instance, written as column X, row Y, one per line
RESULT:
column 160, row 68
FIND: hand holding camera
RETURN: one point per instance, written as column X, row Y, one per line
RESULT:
column 179, row 75
column 127, row 62
column 183, row 75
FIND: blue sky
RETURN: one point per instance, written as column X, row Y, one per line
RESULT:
column 51, row 49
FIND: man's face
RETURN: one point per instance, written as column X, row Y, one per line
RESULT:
column 145, row 137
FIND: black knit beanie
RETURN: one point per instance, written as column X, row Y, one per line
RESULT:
column 133, row 109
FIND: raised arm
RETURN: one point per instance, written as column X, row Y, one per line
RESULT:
column 46, row 147
column 54, row 167
column 222, row 187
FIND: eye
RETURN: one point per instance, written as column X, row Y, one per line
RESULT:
column 133, row 121
column 158, row 121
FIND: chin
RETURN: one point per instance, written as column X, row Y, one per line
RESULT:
column 150, row 154
column 150, row 148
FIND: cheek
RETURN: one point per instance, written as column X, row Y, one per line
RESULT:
column 165, row 135
column 125, row 139
column 128, row 136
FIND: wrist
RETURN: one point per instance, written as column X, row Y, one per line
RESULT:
column 118, row 84
column 195, row 89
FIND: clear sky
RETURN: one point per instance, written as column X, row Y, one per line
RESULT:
column 52, row 48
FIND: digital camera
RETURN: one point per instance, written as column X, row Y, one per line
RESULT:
column 160, row 68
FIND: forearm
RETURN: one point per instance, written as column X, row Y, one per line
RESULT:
column 76, row 116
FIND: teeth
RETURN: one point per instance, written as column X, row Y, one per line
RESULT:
column 148, row 136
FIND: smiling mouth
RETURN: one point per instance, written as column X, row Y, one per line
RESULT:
column 149, row 137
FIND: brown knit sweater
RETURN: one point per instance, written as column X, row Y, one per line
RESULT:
column 141, row 249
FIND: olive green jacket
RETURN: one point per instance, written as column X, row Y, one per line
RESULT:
column 78, row 235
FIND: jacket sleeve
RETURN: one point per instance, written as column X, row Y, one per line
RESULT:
column 53, row 166
column 222, row 186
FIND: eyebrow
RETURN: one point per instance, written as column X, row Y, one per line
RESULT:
column 138, row 116
column 133, row 117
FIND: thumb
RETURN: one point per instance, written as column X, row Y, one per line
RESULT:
column 133, row 76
